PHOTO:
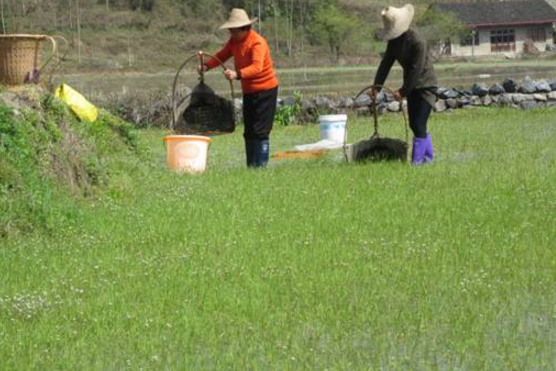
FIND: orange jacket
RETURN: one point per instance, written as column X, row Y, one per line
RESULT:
column 252, row 61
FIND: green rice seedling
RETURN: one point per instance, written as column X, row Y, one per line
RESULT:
column 308, row 264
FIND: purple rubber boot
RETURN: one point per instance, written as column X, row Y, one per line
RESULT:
column 419, row 148
column 429, row 149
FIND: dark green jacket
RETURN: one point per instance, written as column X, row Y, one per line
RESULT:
column 411, row 51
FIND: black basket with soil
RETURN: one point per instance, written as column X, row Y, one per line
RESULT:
column 378, row 148
column 203, row 112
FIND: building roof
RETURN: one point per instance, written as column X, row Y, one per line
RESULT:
column 501, row 12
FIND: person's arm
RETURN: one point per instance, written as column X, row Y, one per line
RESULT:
column 415, row 69
column 385, row 66
column 258, row 51
column 223, row 55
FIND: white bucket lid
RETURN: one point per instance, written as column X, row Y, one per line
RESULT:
column 187, row 137
column 332, row 118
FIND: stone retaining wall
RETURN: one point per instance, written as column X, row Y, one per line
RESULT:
column 156, row 108
column 526, row 94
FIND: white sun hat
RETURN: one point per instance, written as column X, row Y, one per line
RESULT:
column 396, row 21
column 238, row 18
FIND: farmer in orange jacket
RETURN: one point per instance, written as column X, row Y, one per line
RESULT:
column 254, row 68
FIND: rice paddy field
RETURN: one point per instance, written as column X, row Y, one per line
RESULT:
column 306, row 265
column 315, row 80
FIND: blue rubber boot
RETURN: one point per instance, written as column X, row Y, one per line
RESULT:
column 257, row 152
column 250, row 148
column 429, row 150
column 419, row 148
column 262, row 152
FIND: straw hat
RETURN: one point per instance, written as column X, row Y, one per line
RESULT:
column 238, row 18
column 396, row 21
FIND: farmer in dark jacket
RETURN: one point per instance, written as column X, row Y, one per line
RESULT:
column 407, row 47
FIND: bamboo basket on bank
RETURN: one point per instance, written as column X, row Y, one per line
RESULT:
column 20, row 58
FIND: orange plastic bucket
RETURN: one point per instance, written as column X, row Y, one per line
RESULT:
column 187, row 153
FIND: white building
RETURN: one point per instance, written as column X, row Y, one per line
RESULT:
column 502, row 27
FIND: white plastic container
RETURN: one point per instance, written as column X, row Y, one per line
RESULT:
column 333, row 127
column 187, row 153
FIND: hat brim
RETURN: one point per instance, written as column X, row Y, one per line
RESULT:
column 229, row 25
column 392, row 34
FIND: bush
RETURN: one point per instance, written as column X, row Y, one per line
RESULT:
column 145, row 5
column 290, row 114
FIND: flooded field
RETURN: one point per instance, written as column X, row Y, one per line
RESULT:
column 334, row 80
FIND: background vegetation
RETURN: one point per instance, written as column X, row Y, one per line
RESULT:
column 150, row 34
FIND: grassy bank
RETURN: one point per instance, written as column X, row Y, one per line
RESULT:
column 309, row 264
column 48, row 157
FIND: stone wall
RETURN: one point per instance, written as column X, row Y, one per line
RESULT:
column 156, row 108
column 526, row 94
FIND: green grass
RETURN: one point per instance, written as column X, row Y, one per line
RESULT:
column 309, row 264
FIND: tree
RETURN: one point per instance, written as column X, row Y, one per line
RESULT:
column 78, row 11
column 144, row 5
column 12, row 11
column 438, row 27
column 332, row 26
column 2, row 15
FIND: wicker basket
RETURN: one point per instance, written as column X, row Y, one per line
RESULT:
column 20, row 57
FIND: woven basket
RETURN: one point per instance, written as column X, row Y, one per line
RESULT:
column 20, row 57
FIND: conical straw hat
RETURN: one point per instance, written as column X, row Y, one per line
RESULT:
column 396, row 21
column 238, row 18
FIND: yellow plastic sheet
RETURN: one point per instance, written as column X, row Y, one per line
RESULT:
column 78, row 104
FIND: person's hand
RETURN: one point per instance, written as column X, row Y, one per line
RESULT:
column 202, row 68
column 230, row 74
column 398, row 96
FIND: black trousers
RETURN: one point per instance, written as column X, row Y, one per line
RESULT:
column 258, row 113
column 419, row 111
